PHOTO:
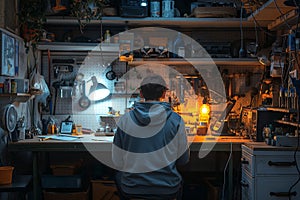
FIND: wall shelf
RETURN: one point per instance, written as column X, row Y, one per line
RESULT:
column 180, row 22
column 18, row 97
column 72, row 46
column 287, row 123
column 284, row 110
column 198, row 61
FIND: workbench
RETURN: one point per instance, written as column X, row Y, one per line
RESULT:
column 96, row 145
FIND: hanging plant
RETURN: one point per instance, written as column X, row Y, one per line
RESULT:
column 86, row 10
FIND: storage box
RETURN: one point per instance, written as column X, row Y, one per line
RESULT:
column 81, row 195
column 65, row 169
column 213, row 188
column 59, row 182
column 6, row 174
column 22, row 85
column 104, row 190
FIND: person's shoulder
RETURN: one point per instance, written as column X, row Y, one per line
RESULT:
column 176, row 115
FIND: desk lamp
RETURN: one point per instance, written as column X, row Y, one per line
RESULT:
column 98, row 91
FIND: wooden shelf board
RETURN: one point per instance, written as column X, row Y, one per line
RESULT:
column 287, row 123
column 155, row 21
column 285, row 110
column 72, row 46
column 18, row 97
column 197, row 61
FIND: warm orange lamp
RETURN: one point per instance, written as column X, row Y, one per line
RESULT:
column 204, row 113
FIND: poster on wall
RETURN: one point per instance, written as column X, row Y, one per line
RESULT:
column 7, row 55
column 17, row 58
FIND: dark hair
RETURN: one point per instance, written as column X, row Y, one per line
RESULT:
column 152, row 91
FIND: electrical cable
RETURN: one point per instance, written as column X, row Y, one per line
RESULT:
column 256, row 37
column 260, row 27
column 296, row 31
column 281, row 56
column 241, row 51
column 100, row 45
column 224, row 172
column 298, row 113
column 295, row 152
column 291, row 62
column 284, row 20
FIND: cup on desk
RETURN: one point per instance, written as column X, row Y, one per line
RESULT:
column 201, row 130
column 188, row 130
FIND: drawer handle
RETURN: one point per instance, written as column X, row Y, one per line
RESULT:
column 243, row 184
column 283, row 194
column 244, row 161
column 282, row 164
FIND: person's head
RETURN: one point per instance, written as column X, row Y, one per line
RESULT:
column 153, row 87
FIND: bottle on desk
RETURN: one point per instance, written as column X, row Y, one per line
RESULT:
column 179, row 46
column 107, row 36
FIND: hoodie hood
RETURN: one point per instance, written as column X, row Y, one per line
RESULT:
column 150, row 113
column 146, row 119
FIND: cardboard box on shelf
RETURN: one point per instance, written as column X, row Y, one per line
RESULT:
column 64, row 169
column 104, row 190
column 62, row 182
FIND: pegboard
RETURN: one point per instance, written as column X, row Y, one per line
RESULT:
column 89, row 64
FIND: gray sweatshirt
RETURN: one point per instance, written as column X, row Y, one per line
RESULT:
column 150, row 141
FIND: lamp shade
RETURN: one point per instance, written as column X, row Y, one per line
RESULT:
column 98, row 91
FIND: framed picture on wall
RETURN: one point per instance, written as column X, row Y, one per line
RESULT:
column 8, row 53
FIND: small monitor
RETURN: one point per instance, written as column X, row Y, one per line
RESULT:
column 66, row 127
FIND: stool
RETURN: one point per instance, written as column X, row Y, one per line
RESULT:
column 20, row 184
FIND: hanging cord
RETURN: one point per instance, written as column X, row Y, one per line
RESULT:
column 242, row 51
column 295, row 152
column 260, row 27
column 281, row 57
column 256, row 38
column 281, row 14
column 296, row 31
column 298, row 113
column 295, row 57
column 224, row 172
column 101, row 40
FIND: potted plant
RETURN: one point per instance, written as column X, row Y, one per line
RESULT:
column 31, row 18
column 86, row 10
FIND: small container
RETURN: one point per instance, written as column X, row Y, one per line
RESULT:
column 1, row 88
column 201, row 130
column 6, row 87
column 168, row 8
column 179, row 46
column 6, row 174
column 14, row 86
column 107, row 128
column 155, row 8
column 107, row 36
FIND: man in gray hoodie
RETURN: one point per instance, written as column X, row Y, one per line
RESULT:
column 149, row 143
